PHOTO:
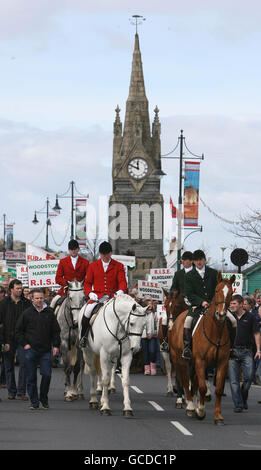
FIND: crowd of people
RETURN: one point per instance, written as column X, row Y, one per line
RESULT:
column 30, row 334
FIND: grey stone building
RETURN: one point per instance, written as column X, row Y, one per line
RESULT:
column 136, row 205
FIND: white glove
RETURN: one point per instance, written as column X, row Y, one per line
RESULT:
column 93, row 296
column 119, row 292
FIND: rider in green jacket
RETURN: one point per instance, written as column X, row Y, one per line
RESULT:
column 199, row 289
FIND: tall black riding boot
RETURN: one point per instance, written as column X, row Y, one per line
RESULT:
column 85, row 328
column 187, row 340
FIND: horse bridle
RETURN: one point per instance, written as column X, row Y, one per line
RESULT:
column 73, row 325
column 207, row 312
column 126, row 330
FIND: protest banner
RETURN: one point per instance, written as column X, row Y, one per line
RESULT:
column 42, row 274
column 34, row 253
column 22, row 273
column 150, row 288
column 160, row 314
column 163, row 276
column 13, row 255
column 238, row 284
column 125, row 260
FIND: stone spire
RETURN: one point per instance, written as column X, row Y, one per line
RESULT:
column 156, row 127
column 137, row 103
column 117, row 123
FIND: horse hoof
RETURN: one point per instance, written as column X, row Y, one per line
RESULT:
column 127, row 413
column 191, row 413
column 93, row 406
column 200, row 417
column 207, row 397
column 75, row 397
column 112, row 390
column 169, row 394
column 68, row 399
column 179, row 406
column 219, row 422
column 105, row 412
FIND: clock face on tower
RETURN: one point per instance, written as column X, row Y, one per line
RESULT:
column 138, row 168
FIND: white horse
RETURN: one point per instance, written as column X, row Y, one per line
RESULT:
column 116, row 333
column 67, row 317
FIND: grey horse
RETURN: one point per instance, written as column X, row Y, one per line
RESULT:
column 67, row 317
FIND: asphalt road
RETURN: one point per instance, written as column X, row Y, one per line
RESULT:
column 156, row 423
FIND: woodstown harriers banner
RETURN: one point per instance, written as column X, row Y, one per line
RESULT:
column 191, row 194
column 81, row 221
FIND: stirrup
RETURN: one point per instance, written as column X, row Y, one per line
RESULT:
column 164, row 347
column 187, row 354
column 83, row 342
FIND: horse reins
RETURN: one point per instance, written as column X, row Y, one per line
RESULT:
column 73, row 326
column 217, row 345
column 126, row 330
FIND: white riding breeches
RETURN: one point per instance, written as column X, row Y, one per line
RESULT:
column 88, row 309
column 232, row 319
column 188, row 320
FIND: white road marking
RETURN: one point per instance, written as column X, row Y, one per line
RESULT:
column 181, row 428
column 251, row 446
column 156, row 406
column 136, row 389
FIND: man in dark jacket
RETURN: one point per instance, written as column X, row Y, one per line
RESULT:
column 179, row 276
column 38, row 333
column 11, row 308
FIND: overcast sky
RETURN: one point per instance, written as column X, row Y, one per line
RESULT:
column 65, row 65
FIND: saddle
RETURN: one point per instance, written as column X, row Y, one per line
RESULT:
column 58, row 303
column 94, row 315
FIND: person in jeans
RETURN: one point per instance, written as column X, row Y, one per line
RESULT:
column 38, row 332
column 11, row 308
column 149, row 339
column 247, row 329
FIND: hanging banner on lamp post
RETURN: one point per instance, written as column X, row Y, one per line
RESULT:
column 191, row 194
column 9, row 237
column 80, row 219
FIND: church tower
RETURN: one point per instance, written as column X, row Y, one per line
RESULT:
column 136, row 205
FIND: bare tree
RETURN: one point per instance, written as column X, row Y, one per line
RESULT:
column 92, row 247
column 249, row 229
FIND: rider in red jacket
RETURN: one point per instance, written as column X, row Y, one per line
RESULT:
column 105, row 277
column 73, row 267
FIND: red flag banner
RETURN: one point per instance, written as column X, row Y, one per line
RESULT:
column 191, row 194
column 173, row 209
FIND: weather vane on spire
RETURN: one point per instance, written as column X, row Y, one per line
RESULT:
column 136, row 20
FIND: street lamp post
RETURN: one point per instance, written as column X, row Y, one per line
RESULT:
column 158, row 173
column 58, row 209
column 223, row 248
column 179, row 215
column 48, row 222
column 4, row 216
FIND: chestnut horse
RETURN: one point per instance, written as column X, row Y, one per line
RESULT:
column 211, row 346
column 175, row 305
